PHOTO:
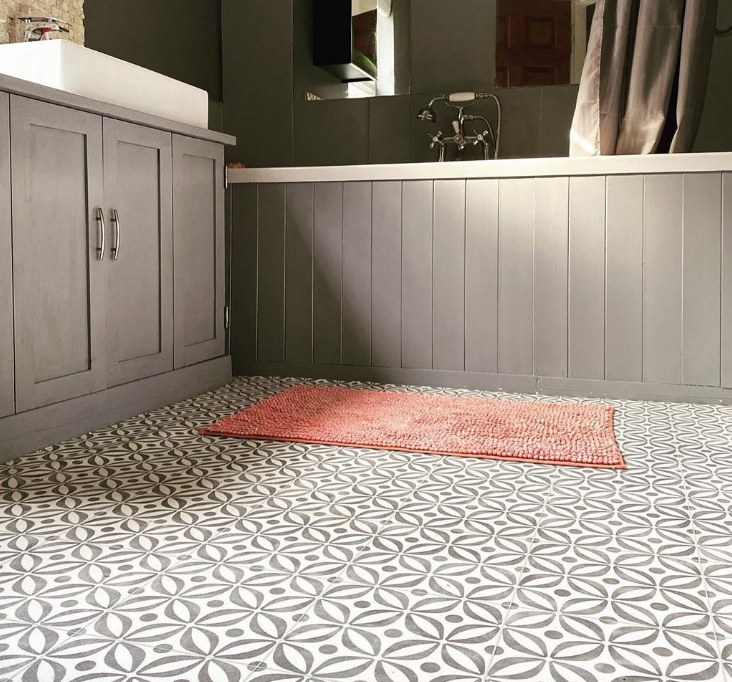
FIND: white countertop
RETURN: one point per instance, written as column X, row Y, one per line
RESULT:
column 508, row 168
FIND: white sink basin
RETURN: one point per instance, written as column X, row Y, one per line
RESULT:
column 69, row 67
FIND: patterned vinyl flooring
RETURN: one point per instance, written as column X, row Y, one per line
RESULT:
column 146, row 552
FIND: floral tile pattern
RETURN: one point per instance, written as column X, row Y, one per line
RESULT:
column 145, row 551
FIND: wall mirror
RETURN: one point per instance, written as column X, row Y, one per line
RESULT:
column 396, row 47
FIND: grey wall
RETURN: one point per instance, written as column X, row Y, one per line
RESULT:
column 592, row 285
column 455, row 48
column 268, row 69
column 258, row 77
column 384, row 130
column 179, row 39
column 715, row 134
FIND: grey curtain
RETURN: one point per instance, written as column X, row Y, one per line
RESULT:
column 644, row 78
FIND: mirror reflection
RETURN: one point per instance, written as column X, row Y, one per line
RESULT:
column 485, row 79
column 541, row 42
column 388, row 47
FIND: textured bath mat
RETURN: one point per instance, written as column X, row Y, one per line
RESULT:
column 572, row 434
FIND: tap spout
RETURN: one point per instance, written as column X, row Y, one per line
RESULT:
column 39, row 28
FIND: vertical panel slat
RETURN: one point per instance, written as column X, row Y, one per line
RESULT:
column 417, row 274
column 481, row 276
column 702, row 279
column 516, row 277
column 386, row 275
column 448, row 277
column 587, row 277
column 727, row 280
column 624, row 319
column 662, row 279
column 299, row 273
column 357, row 273
column 271, row 273
column 327, row 272
column 551, row 251
column 244, row 277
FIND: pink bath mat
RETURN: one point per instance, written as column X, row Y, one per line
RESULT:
column 571, row 434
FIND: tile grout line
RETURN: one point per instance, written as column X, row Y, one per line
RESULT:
column 552, row 492
column 335, row 581
column 520, row 573
column 81, row 631
column 260, row 505
column 47, row 540
column 702, row 560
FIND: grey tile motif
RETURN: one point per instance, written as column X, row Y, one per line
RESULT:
column 146, row 552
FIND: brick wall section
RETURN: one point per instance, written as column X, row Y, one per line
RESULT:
column 69, row 11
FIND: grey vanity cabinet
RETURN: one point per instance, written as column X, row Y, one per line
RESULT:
column 198, row 207
column 112, row 261
column 7, row 370
column 138, row 185
column 58, row 277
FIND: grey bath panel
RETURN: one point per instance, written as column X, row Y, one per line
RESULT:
column 624, row 317
column 138, row 183
column 551, row 248
column 357, row 273
column 59, row 285
column 328, row 272
column 299, row 273
column 7, row 364
column 702, row 279
column 481, row 276
column 727, row 280
column 244, row 275
column 271, row 273
column 662, row 284
column 199, row 251
column 448, row 277
column 417, row 258
column 587, row 278
column 516, row 277
column 386, row 275
column 573, row 283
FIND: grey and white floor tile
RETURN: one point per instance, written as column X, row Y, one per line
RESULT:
column 146, row 551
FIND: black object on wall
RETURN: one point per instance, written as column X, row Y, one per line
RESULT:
column 178, row 39
column 333, row 41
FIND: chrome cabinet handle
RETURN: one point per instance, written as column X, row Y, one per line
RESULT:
column 117, row 229
column 101, row 231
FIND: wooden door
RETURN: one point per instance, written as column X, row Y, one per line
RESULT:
column 59, row 281
column 138, row 184
column 7, row 361
column 198, row 235
column 533, row 42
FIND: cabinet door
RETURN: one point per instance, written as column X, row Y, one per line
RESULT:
column 198, row 234
column 7, row 361
column 59, row 283
column 138, row 184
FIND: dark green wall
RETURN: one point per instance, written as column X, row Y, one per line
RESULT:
column 258, row 80
column 268, row 68
column 178, row 38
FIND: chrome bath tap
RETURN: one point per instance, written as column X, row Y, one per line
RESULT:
column 40, row 28
column 488, row 138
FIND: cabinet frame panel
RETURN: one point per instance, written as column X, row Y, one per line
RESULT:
column 30, row 393
column 7, row 351
column 116, row 132
column 189, row 354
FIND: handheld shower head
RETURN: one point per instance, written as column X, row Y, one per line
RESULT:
column 427, row 114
